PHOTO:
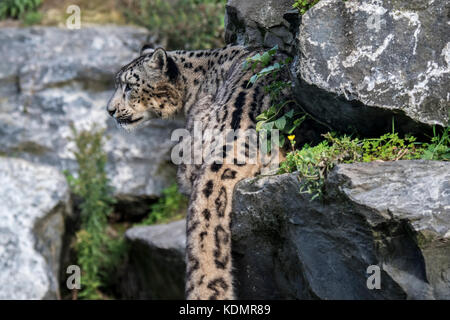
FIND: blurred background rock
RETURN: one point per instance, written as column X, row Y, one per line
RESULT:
column 54, row 87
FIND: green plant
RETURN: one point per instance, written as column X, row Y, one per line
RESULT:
column 439, row 147
column 304, row 5
column 189, row 24
column 276, row 116
column 314, row 163
column 17, row 8
column 92, row 186
column 389, row 147
column 99, row 247
column 116, row 248
column 171, row 206
column 31, row 18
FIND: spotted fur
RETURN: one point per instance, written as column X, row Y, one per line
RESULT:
column 212, row 87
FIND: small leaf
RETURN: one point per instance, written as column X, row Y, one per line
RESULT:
column 280, row 123
column 262, row 116
column 256, row 58
column 269, row 69
column 272, row 111
column 299, row 121
column 290, row 130
column 269, row 145
column 289, row 114
column 282, row 140
column 268, row 125
column 273, row 50
column 259, row 126
column 253, row 79
column 265, row 58
column 287, row 60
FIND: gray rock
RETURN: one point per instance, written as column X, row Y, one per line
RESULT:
column 63, row 77
column 361, row 62
column 156, row 265
column 35, row 201
column 260, row 23
column 395, row 215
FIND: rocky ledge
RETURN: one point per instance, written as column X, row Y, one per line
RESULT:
column 393, row 217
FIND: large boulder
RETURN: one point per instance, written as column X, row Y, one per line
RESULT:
column 156, row 265
column 360, row 62
column 35, row 201
column 394, row 216
column 63, row 77
column 261, row 23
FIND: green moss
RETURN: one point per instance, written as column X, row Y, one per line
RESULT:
column 304, row 5
column 425, row 237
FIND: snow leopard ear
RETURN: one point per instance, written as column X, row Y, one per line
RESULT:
column 146, row 49
column 161, row 62
column 159, row 59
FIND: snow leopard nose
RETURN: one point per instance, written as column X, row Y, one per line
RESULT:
column 111, row 109
column 111, row 112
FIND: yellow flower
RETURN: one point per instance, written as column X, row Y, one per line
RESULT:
column 291, row 138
